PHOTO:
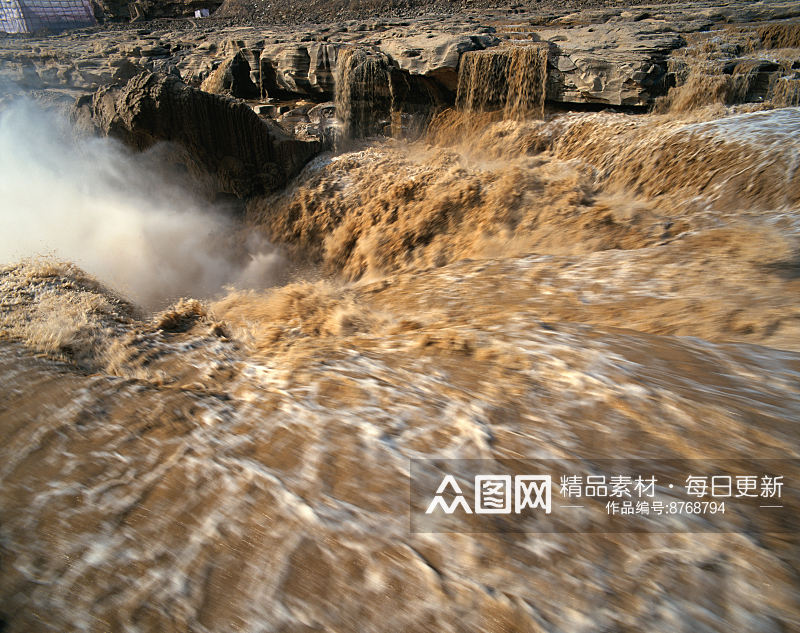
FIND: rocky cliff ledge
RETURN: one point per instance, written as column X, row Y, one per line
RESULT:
column 238, row 99
column 609, row 57
column 220, row 140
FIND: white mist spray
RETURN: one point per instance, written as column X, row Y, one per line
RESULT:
column 120, row 216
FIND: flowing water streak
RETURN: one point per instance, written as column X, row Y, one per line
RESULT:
column 786, row 92
column 512, row 79
column 363, row 93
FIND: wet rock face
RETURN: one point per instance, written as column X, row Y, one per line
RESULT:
column 218, row 139
column 309, row 69
column 363, row 95
column 232, row 78
column 374, row 96
column 512, row 79
column 305, row 69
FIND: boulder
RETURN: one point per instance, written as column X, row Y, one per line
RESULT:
column 220, row 140
column 270, row 110
column 232, row 78
column 322, row 112
column 435, row 57
column 609, row 64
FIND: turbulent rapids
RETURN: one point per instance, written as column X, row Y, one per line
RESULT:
column 212, row 431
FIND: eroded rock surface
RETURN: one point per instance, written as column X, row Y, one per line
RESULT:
column 602, row 57
column 215, row 136
column 232, row 78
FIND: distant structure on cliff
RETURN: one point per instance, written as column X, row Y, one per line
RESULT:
column 29, row 16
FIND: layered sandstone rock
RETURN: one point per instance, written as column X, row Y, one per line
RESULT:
column 610, row 64
column 608, row 57
column 436, row 56
column 215, row 137
column 305, row 69
column 232, row 78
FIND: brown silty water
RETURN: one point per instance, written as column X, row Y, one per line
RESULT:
column 363, row 93
column 579, row 286
column 511, row 79
column 707, row 75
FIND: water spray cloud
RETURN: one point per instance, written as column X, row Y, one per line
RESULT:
column 123, row 217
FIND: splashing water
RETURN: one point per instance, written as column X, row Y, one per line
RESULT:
column 122, row 217
column 586, row 287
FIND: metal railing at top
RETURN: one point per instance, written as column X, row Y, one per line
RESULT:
column 27, row 16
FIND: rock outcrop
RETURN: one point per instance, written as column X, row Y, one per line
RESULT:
column 436, row 56
column 216, row 138
column 232, row 78
column 621, row 64
column 309, row 69
column 304, row 69
column 602, row 57
column 610, row 64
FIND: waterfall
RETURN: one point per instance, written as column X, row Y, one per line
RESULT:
column 372, row 97
column 785, row 92
column 511, row 79
column 363, row 93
